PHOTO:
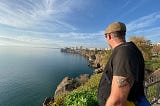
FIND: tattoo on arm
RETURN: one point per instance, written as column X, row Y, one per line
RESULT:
column 124, row 81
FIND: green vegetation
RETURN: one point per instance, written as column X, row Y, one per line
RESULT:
column 58, row 100
column 108, row 53
column 92, row 83
column 153, row 64
column 151, row 92
column 85, row 95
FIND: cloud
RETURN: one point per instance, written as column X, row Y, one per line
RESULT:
column 144, row 21
column 36, row 14
column 151, row 33
column 130, row 10
column 80, row 36
column 57, row 39
column 42, row 23
column 29, row 41
column 146, row 26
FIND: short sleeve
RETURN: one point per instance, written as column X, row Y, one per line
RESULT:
column 124, row 63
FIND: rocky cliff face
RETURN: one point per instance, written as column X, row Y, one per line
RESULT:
column 69, row 84
column 95, row 60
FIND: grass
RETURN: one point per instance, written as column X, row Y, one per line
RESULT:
column 153, row 64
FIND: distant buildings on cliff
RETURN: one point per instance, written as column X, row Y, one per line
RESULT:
column 78, row 49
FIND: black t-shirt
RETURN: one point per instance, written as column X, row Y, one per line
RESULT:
column 126, row 60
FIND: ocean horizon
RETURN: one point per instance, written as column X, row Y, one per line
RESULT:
column 28, row 75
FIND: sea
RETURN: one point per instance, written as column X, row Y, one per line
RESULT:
column 28, row 75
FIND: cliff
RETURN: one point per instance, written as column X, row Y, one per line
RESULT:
column 96, row 59
column 69, row 84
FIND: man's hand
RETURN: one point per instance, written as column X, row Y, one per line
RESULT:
column 119, row 91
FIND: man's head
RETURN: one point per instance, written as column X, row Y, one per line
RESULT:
column 115, row 33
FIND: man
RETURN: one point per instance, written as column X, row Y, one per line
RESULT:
column 122, row 80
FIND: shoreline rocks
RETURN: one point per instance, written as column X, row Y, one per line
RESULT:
column 98, row 70
column 69, row 84
column 46, row 101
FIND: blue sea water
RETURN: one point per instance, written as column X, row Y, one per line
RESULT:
column 28, row 75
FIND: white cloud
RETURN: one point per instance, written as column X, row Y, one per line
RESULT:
column 29, row 41
column 151, row 33
column 151, row 30
column 35, row 13
column 144, row 21
column 58, row 39
column 38, row 23
column 63, row 35
column 147, row 26
column 79, row 36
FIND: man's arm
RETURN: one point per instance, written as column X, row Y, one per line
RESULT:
column 119, row 91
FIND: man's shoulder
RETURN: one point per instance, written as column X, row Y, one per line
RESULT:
column 126, row 51
column 127, row 47
column 123, row 49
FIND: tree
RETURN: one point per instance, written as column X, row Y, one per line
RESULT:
column 144, row 45
column 156, row 49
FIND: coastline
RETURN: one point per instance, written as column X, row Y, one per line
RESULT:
column 95, row 60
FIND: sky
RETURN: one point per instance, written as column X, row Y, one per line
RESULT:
column 70, row 23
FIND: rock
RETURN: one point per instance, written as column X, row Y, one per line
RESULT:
column 46, row 101
column 91, row 63
column 91, row 57
column 83, row 78
column 98, row 65
column 97, row 71
column 69, row 84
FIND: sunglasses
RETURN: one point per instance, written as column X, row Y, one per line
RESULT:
column 106, row 34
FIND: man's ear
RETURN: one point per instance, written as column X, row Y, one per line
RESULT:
column 109, row 37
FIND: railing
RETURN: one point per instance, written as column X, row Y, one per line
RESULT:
column 152, row 87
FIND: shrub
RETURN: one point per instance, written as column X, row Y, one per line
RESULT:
column 152, row 64
column 92, row 83
column 151, row 92
column 85, row 97
column 59, row 100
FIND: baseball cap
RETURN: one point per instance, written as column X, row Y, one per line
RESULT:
column 116, row 26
